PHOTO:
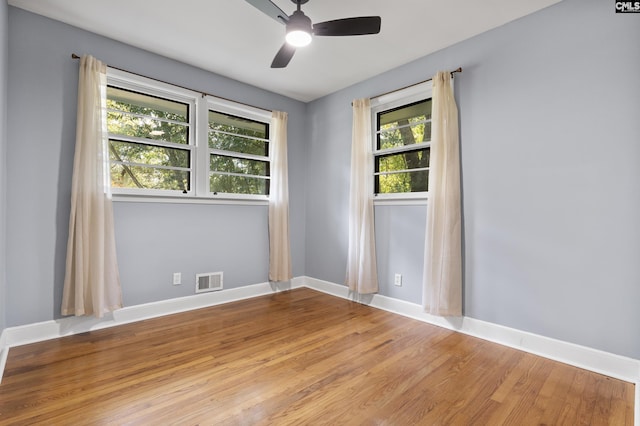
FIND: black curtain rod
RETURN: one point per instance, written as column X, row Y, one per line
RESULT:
column 74, row 56
column 459, row 69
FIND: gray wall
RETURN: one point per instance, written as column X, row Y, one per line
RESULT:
column 549, row 108
column 153, row 240
column 4, row 35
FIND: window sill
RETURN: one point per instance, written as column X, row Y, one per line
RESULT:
column 188, row 200
column 404, row 200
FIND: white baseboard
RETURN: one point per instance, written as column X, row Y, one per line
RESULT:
column 612, row 365
column 4, row 352
column 37, row 332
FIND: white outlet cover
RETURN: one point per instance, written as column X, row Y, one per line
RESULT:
column 398, row 280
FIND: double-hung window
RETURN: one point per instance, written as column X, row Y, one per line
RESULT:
column 402, row 139
column 172, row 142
column 238, row 153
column 151, row 138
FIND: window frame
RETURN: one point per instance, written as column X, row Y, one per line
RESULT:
column 198, row 142
column 242, row 111
column 390, row 101
column 148, row 87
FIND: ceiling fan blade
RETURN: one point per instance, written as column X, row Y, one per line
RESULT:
column 283, row 56
column 270, row 9
column 348, row 26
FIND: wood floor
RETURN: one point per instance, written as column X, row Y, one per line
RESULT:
column 298, row 357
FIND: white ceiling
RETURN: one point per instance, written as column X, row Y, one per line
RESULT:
column 234, row 39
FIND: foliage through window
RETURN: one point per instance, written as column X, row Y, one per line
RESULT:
column 239, row 155
column 161, row 145
column 149, row 141
column 402, row 147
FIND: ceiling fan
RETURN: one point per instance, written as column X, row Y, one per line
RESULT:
column 300, row 29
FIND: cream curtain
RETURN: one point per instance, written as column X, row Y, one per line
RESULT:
column 279, row 250
column 442, row 281
column 362, row 273
column 92, row 282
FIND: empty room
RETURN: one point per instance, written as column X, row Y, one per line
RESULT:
column 274, row 212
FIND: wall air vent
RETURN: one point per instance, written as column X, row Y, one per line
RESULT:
column 210, row 281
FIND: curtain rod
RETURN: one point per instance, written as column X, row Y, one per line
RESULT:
column 459, row 69
column 74, row 56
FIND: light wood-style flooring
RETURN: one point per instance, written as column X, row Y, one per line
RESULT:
column 298, row 357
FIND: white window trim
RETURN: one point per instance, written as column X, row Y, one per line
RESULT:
column 199, row 106
column 399, row 98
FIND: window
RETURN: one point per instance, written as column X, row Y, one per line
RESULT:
column 149, row 141
column 239, row 155
column 402, row 141
column 161, row 145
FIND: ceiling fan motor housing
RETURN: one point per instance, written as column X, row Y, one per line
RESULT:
column 299, row 22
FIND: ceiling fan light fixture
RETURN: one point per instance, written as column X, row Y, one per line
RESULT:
column 298, row 29
column 298, row 38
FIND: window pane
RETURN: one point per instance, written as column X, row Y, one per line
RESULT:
column 130, row 152
column 404, row 161
column 235, row 143
column 126, row 176
column 405, row 125
column 221, row 163
column 238, row 184
column 128, row 101
column 399, row 116
column 401, row 136
column 416, row 181
column 237, row 125
column 407, row 180
column 146, row 127
column 231, row 133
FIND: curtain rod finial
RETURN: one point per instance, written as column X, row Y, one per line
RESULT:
column 74, row 56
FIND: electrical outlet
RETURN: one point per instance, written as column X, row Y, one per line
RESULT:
column 177, row 278
column 398, row 280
